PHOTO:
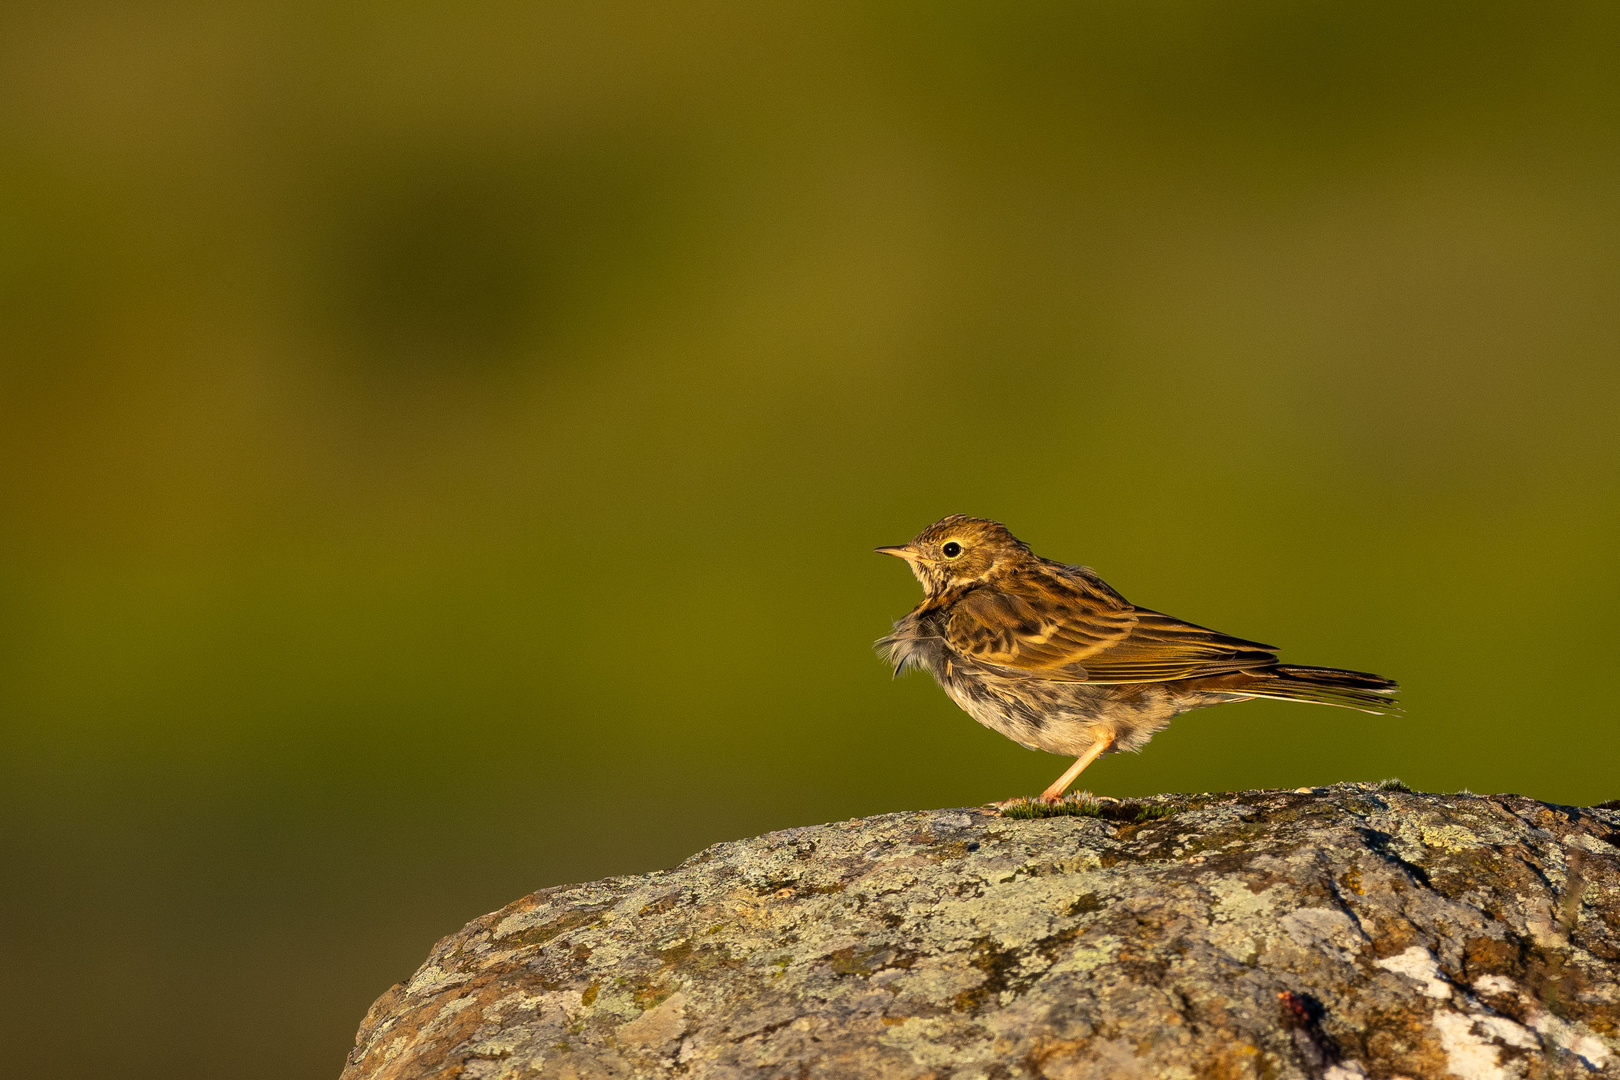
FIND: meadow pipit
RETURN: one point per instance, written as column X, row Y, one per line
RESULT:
column 1053, row 658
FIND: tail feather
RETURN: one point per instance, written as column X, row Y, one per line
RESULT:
column 1321, row 686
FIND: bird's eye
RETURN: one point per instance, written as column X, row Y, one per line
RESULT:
column 952, row 549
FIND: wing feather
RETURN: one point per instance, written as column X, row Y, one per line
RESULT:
column 1064, row 624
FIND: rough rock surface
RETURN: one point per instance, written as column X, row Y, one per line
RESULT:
column 1333, row 932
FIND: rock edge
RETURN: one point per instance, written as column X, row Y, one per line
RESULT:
column 1329, row 933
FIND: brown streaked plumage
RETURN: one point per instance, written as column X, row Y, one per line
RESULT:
column 1053, row 658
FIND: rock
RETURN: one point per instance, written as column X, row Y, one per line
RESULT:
column 1335, row 933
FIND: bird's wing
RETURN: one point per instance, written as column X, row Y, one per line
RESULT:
column 1062, row 627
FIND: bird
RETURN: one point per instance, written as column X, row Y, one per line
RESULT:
column 1055, row 659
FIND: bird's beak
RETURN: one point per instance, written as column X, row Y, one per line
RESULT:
column 901, row 551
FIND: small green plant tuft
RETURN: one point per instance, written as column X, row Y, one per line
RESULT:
column 1068, row 806
column 1132, row 813
column 1393, row 784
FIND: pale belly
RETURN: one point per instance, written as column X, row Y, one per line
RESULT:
column 1058, row 717
column 1058, row 728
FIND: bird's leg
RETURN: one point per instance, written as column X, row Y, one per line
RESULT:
column 1061, row 784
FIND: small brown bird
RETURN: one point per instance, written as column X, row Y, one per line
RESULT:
column 1051, row 657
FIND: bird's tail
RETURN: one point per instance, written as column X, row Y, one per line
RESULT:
column 1318, row 685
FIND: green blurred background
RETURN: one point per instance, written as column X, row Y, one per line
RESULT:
column 441, row 445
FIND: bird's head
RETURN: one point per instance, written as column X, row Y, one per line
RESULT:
column 960, row 550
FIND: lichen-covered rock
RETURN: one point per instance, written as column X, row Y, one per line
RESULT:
column 1337, row 932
